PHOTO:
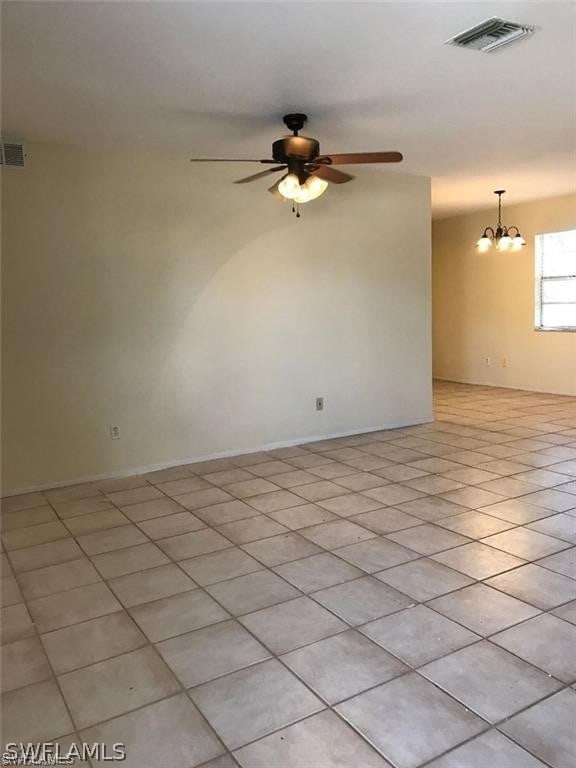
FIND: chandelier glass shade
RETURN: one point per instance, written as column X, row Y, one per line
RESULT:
column 502, row 237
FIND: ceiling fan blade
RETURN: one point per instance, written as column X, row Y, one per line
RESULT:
column 260, row 175
column 357, row 158
column 331, row 174
column 228, row 160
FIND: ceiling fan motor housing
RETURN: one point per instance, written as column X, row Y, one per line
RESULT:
column 295, row 147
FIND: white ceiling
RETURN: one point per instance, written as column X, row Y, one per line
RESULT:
column 214, row 79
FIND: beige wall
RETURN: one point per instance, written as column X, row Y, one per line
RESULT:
column 199, row 316
column 483, row 303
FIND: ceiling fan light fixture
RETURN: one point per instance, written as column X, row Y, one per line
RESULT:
column 289, row 186
column 312, row 188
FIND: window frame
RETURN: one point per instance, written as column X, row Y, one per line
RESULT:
column 539, row 280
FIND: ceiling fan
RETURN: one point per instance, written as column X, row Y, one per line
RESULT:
column 307, row 171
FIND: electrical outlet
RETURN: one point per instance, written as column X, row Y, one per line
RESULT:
column 487, row 361
column 114, row 432
column 319, row 403
column 504, row 362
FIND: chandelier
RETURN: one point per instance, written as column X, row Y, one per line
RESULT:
column 501, row 237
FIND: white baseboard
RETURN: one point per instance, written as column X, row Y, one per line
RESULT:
column 505, row 386
column 220, row 455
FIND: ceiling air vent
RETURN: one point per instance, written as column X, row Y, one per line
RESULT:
column 11, row 154
column 491, row 34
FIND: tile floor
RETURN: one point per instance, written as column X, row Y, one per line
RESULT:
column 400, row 598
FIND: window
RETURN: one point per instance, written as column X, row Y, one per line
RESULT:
column 556, row 281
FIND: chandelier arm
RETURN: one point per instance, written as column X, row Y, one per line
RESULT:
column 513, row 227
column 489, row 229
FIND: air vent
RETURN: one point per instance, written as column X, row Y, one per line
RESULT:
column 491, row 34
column 11, row 154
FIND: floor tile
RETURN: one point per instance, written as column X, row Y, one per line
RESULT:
column 80, row 507
column 34, row 714
column 11, row 521
column 319, row 491
column 343, row 666
column 281, row 549
column 57, row 578
column 361, row 481
column 251, row 703
column 335, row 534
column 129, row 560
column 198, row 499
column 375, row 554
column 418, row 635
column 227, row 476
column 478, row 560
column 219, row 566
column 399, row 473
column 563, row 562
column 147, row 510
column 226, row 512
column 428, row 539
column 72, row 492
column 111, row 539
column 350, row 504
column 34, row 534
column 95, row 521
column 482, row 609
column 252, row 529
column 390, row 495
column 9, row 590
column 292, row 479
column 436, row 466
column 421, row 721
column 434, row 484
column 15, row 623
column 470, row 475
column 291, row 624
column 431, row 508
column 274, row 501
column 490, row 681
column 567, row 612
column 386, row 520
column 561, row 526
column 362, row 600
column 152, row 584
column 41, row 555
column 177, row 614
column 516, row 511
column 531, row 641
column 251, row 487
column 302, row 516
column 557, row 501
column 525, row 543
column 536, row 585
column 167, row 733
column 269, row 468
column 317, row 572
column 211, row 652
column 134, row 495
column 23, row 663
column 164, row 475
column 424, row 579
column 322, row 740
column 171, row 525
column 533, row 727
column 192, row 544
column 22, row 501
column 252, row 592
column 473, row 497
column 115, row 686
column 474, row 524
column 91, row 641
column 112, row 484
column 489, row 749
column 72, row 606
